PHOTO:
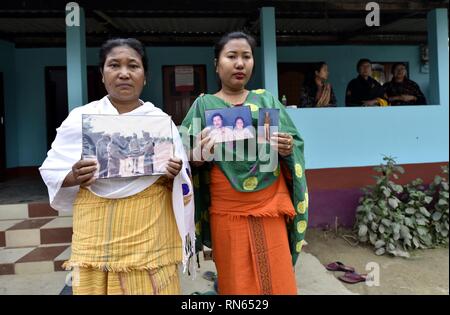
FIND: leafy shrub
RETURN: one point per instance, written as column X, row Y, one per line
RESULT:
column 398, row 218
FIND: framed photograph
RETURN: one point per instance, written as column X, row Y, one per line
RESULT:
column 230, row 124
column 268, row 122
column 127, row 145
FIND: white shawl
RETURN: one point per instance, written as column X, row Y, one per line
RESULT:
column 66, row 151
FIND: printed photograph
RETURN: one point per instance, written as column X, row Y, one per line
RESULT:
column 127, row 146
column 268, row 122
column 230, row 124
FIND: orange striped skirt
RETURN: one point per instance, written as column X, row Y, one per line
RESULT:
column 250, row 243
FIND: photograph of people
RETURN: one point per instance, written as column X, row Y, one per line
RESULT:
column 267, row 126
column 129, row 234
column 218, row 131
column 135, row 152
column 240, row 132
column 149, row 152
column 238, row 203
column 101, row 148
column 115, row 155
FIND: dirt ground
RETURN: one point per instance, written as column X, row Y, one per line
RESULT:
column 425, row 272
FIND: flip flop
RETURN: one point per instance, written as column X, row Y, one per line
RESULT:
column 210, row 276
column 353, row 277
column 338, row 266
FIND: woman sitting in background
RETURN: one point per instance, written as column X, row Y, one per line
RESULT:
column 401, row 90
column 317, row 92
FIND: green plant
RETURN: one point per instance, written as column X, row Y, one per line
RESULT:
column 440, row 208
column 398, row 218
column 417, row 216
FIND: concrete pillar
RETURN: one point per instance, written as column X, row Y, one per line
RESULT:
column 269, row 50
column 76, row 58
column 438, row 56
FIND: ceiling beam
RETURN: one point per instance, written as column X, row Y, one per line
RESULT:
column 105, row 20
column 229, row 5
column 384, row 21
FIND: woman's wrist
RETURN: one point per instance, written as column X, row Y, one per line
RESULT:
column 195, row 159
column 69, row 180
column 197, row 163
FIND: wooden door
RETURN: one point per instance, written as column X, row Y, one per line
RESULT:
column 176, row 103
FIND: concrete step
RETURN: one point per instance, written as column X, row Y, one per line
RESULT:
column 35, row 232
column 22, row 211
column 33, row 260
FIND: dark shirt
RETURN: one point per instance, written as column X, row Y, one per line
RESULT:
column 360, row 90
column 407, row 87
column 308, row 96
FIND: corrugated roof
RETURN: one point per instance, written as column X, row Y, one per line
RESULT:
column 32, row 25
column 318, row 25
column 179, row 25
column 297, row 22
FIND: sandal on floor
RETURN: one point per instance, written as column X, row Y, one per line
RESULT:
column 338, row 266
column 352, row 277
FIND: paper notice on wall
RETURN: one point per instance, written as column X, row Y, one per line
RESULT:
column 184, row 78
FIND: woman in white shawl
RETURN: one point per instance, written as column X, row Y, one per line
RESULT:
column 129, row 234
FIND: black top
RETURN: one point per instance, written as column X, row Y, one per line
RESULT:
column 407, row 87
column 360, row 90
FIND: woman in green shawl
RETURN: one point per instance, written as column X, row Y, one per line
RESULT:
column 251, row 209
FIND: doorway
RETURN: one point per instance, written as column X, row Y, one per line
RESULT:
column 2, row 130
column 56, row 95
column 178, row 102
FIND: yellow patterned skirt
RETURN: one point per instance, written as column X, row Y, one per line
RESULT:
column 125, row 246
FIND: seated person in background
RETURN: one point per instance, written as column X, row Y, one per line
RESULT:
column 364, row 90
column 401, row 90
column 317, row 92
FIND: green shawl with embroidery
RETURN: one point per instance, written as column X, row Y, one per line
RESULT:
column 244, row 175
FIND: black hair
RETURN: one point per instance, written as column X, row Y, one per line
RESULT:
column 133, row 43
column 395, row 65
column 239, row 117
column 215, row 115
column 361, row 61
column 310, row 79
column 318, row 66
column 218, row 47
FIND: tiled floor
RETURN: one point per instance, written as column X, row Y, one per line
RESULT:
column 34, row 232
column 32, row 260
column 14, row 211
column 30, row 224
column 34, row 239
column 4, row 225
column 28, row 211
